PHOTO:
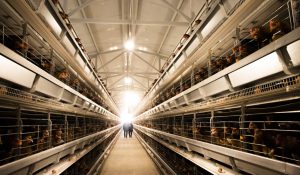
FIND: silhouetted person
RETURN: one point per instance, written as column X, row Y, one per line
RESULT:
column 125, row 129
column 130, row 129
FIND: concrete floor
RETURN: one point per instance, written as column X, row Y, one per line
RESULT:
column 129, row 157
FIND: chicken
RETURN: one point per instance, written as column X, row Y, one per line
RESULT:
column 57, row 137
column 215, row 137
column 235, row 138
column 27, row 145
column 63, row 76
column 277, row 29
column 260, row 36
column 43, row 143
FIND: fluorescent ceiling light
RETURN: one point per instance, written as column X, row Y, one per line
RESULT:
column 113, row 48
column 143, row 48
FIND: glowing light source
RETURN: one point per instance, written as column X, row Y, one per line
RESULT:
column 113, row 48
column 126, row 118
column 143, row 48
column 131, row 98
column 129, row 45
column 127, row 80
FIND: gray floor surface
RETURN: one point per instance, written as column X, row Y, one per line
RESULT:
column 129, row 157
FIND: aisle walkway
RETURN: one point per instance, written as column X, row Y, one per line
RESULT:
column 128, row 157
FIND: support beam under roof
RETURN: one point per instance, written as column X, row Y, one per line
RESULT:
column 118, row 22
column 81, row 6
column 93, row 54
column 113, row 59
column 142, row 59
column 142, row 73
column 164, row 57
column 177, row 10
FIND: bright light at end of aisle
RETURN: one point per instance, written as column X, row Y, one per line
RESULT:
column 126, row 118
column 131, row 98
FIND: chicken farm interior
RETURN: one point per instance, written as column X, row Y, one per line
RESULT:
column 207, row 87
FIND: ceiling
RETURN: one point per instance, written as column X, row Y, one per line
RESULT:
column 155, row 26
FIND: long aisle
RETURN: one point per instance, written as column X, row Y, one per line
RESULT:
column 128, row 157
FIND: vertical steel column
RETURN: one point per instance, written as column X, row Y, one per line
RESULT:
column 182, row 125
column 84, row 126
column 181, row 85
column 174, row 124
column 294, row 13
column 38, row 137
column 242, row 123
column 24, row 39
column 50, row 130
column 52, row 66
column 209, row 72
column 19, row 131
column 76, row 126
column 192, row 75
column 194, row 127
column 211, row 123
column 66, row 129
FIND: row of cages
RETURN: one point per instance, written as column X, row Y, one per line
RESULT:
column 25, row 40
column 270, row 130
column 191, row 38
column 85, row 164
column 177, row 163
column 237, row 45
column 24, row 132
column 48, row 61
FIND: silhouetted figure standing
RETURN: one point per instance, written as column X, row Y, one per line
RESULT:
column 130, row 129
column 125, row 129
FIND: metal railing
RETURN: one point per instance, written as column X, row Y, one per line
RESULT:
column 270, row 130
column 230, row 50
column 86, row 164
column 8, row 92
column 27, row 132
column 46, row 59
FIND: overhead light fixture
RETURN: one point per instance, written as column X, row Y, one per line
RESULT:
column 131, row 98
column 143, row 48
column 129, row 45
column 127, row 80
column 113, row 48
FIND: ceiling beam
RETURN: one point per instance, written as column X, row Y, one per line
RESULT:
column 164, row 57
column 168, row 31
column 143, row 73
column 113, row 59
column 139, row 83
column 118, row 80
column 145, row 62
column 134, row 8
column 90, row 31
column 93, row 54
column 112, row 76
column 123, row 87
column 122, row 90
column 152, row 53
column 81, row 6
column 177, row 10
column 118, row 22
column 141, row 76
